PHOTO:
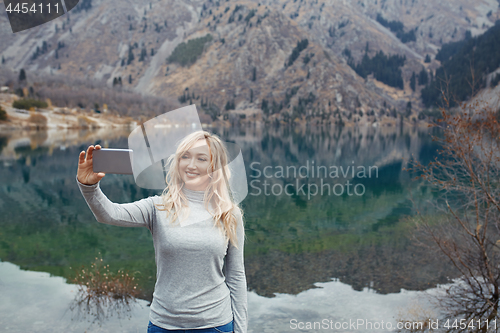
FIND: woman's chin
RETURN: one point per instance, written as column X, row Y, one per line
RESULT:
column 190, row 183
column 195, row 185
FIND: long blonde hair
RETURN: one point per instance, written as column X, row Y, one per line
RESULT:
column 217, row 192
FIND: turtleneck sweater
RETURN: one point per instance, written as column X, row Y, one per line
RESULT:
column 200, row 279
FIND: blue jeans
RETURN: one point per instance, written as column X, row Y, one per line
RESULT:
column 227, row 328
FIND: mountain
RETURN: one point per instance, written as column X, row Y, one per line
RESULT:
column 252, row 56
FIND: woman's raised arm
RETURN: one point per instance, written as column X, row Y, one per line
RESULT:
column 135, row 214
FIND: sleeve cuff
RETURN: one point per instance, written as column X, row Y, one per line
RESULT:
column 88, row 188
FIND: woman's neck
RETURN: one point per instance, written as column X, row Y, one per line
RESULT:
column 192, row 195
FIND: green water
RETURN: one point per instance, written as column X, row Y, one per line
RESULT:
column 294, row 239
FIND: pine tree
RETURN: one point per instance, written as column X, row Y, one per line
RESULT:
column 413, row 81
column 143, row 54
column 22, row 75
column 3, row 60
column 265, row 106
column 423, row 77
column 130, row 79
column 427, row 59
column 130, row 55
column 408, row 109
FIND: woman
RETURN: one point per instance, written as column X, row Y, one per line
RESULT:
column 198, row 236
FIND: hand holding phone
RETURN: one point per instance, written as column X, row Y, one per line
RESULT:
column 85, row 173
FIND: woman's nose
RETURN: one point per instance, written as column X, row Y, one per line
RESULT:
column 191, row 163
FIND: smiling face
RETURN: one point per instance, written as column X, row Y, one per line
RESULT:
column 193, row 165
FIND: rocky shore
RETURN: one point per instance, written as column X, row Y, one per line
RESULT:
column 57, row 118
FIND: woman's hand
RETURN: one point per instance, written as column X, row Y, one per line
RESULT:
column 85, row 173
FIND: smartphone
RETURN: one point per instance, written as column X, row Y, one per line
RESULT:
column 109, row 160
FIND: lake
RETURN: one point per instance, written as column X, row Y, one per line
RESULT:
column 327, row 216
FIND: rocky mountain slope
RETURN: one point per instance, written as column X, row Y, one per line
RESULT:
column 254, row 54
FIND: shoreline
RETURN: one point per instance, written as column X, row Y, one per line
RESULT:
column 64, row 118
column 58, row 118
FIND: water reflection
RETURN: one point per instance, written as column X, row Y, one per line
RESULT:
column 293, row 241
column 37, row 302
column 296, row 240
column 14, row 145
column 100, row 309
column 335, row 307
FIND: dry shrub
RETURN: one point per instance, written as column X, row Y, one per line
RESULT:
column 102, row 293
column 38, row 119
column 3, row 114
column 84, row 121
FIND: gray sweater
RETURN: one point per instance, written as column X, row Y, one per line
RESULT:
column 200, row 279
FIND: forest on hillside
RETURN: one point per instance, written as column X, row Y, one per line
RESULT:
column 69, row 92
column 464, row 67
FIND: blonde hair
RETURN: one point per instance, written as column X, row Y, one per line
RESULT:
column 217, row 191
